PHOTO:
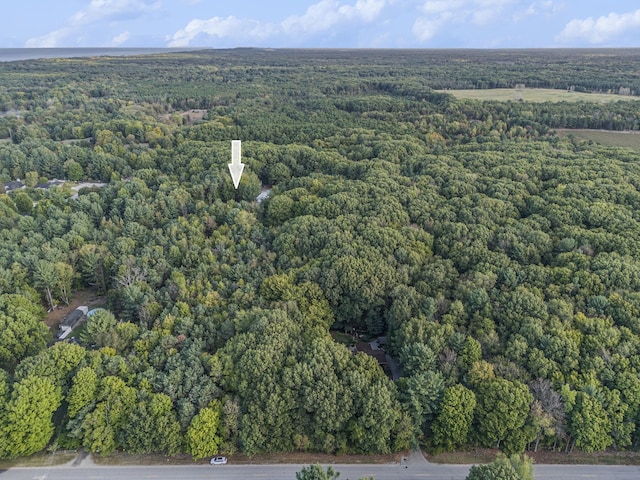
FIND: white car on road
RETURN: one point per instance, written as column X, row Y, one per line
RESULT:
column 218, row 461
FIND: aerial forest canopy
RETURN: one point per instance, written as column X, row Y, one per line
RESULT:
column 500, row 259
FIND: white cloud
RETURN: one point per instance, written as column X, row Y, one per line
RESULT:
column 441, row 6
column 483, row 17
column 364, row 10
column 97, row 11
column 425, row 28
column 537, row 8
column 50, row 40
column 319, row 17
column 218, row 27
column 121, row 38
column 601, row 29
column 436, row 15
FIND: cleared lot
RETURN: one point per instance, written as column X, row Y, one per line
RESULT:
column 537, row 95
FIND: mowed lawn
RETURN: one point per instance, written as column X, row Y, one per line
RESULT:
column 537, row 95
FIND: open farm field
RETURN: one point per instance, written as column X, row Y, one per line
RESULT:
column 626, row 139
column 537, row 95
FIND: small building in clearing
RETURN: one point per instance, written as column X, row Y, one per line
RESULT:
column 71, row 321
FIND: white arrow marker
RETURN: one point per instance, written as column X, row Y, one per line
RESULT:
column 236, row 166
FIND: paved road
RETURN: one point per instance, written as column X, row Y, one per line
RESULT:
column 232, row 472
column 596, row 472
column 404, row 471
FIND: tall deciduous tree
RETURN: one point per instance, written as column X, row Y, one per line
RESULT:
column 589, row 423
column 422, row 394
column 23, row 331
column 101, row 427
column 58, row 363
column 453, row 423
column 493, row 471
column 27, row 424
column 23, row 202
column 152, row 426
column 64, row 278
column 202, row 436
column 515, row 467
column 99, row 326
column 45, row 277
column 316, row 472
column 83, row 391
column 502, row 410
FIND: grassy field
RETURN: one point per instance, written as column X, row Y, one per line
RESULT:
column 537, row 95
column 605, row 137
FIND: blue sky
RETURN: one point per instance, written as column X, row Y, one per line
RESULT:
column 321, row 23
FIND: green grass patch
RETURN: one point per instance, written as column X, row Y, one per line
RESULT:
column 41, row 459
column 537, row 95
column 463, row 457
column 605, row 137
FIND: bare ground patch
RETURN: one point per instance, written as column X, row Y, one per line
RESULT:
column 72, row 141
column 189, row 117
column 88, row 297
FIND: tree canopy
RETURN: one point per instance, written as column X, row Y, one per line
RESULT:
column 493, row 258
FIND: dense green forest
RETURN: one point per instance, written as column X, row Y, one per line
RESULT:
column 501, row 261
